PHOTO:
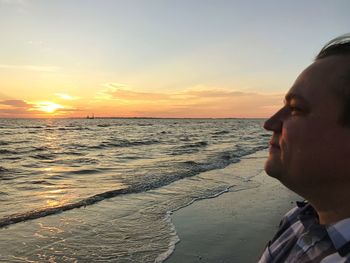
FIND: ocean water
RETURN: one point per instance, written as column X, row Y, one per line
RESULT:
column 102, row 190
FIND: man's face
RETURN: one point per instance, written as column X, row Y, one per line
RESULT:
column 310, row 149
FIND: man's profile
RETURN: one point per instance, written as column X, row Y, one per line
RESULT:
column 310, row 154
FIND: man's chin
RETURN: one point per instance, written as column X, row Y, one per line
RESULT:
column 273, row 168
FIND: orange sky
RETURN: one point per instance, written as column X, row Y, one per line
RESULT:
column 116, row 100
column 156, row 59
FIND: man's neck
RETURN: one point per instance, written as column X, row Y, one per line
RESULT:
column 331, row 211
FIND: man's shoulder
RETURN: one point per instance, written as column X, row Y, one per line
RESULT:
column 300, row 232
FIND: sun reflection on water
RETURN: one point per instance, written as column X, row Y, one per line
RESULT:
column 57, row 195
column 49, row 229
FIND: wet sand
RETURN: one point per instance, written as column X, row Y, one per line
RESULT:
column 233, row 227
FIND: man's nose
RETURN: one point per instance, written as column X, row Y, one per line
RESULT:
column 275, row 122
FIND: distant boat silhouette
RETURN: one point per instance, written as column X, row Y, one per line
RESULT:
column 90, row 117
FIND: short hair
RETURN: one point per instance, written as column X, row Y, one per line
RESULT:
column 337, row 47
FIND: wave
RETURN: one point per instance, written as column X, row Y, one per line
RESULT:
column 4, row 151
column 3, row 169
column 86, row 160
column 223, row 159
column 219, row 163
column 17, row 142
column 73, row 128
column 84, row 171
column 195, row 144
column 34, row 214
column 5, row 174
column 124, row 143
column 77, row 162
column 11, row 158
column 41, row 148
column 221, row 132
column 43, row 156
column 189, row 148
column 27, row 150
column 43, row 182
column 74, row 153
column 32, row 127
column 144, row 124
column 191, row 168
column 74, row 146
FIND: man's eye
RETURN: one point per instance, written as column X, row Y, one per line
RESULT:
column 295, row 110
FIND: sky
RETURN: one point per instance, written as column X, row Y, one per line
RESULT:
column 158, row 58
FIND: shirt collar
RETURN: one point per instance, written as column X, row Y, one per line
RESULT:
column 339, row 232
column 307, row 215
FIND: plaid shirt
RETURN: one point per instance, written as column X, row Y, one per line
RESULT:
column 301, row 238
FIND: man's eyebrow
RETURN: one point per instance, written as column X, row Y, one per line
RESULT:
column 293, row 96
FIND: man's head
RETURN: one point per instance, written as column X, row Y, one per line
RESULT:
column 310, row 146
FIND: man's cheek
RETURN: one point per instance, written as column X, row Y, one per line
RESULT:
column 298, row 135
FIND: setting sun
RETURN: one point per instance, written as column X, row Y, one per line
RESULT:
column 48, row 107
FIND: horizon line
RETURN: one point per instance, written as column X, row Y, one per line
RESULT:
column 28, row 118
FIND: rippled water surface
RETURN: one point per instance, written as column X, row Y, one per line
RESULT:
column 135, row 165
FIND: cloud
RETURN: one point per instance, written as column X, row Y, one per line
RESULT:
column 117, row 91
column 193, row 102
column 213, row 93
column 122, row 92
column 21, row 108
column 53, row 108
column 30, row 68
column 66, row 96
column 14, row 112
column 70, row 110
column 15, row 107
column 15, row 103
column 119, row 100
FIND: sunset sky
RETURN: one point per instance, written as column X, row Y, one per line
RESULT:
column 158, row 58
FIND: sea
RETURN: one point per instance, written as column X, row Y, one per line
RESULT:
column 103, row 190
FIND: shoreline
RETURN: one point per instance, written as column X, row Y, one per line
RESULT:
column 233, row 227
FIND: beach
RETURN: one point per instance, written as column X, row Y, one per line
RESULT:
column 233, row 227
column 133, row 191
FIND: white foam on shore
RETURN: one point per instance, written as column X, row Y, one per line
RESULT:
column 175, row 238
column 233, row 188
